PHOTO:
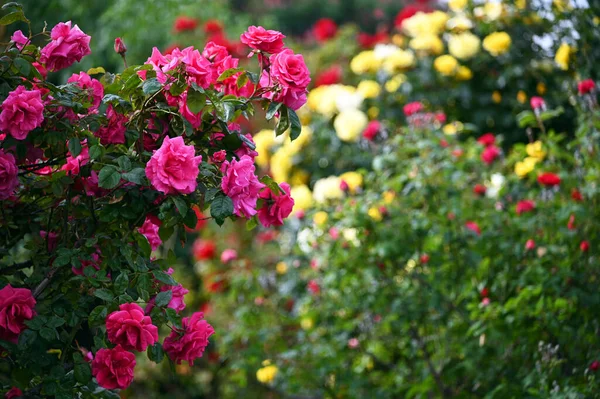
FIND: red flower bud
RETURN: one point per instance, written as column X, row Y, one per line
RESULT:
column 479, row 189
column 584, row 246
column 485, row 292
column 537, row 103
column 595, row 365
column 424, row 258
column 529, row 245
column 586, row 86
column 120, row 47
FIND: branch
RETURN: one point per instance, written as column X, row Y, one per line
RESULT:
column 17, row 266
column 432, row 370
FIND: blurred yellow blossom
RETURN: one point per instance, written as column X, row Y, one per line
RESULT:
column 394, row 83
column 496, row 97
column 320, row 218
column 349, row 124
column 324, row 99
column 425, row 23
column 523, row 168
column 368, row 88
column 281, row 268
column 365, row 62
column 398, row 60
column 354, row 180
column 459, row 23
column 521, row 97
column 451, row 129
column 457, row 5
column 536, row 150
column 373, row 112
column 464, row 73
column 264, row 140
column 306, row 323
column 520, row 4
column 562, row 5
column 299, row 177
column 541, row 88
column 281, row 165
column 464, row 45
column 267, row 374
column 563, row 56
column 375, row 214
column 388, row 197
column 427, row 43
column 497, row 43
column 493, row 10
column 302, row 196
column 446, row 65
column 327, row 188
column 398, row 40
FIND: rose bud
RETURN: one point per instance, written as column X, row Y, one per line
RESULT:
column 120, row 47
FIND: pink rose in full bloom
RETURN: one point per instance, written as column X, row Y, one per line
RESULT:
column 130, row 328
column 228, row 255
column 19, row 39
column 73, row 164
column 174, row 167
column 214, row 53
column 92, row 87
column 261, row 39
column 525, row 206
column 290, row 74
column 189, row 342
column 16, row 306
column 490, row 153
column 9, row 175
column 276, row 206
column 150, row 230
column 114, row 131
column 241, row 185
column 14, row 392
column 22, row 111
column 68, row 45
column 113, row 368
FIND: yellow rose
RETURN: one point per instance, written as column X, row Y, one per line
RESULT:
column 368, row 88
column 299, row 177
column 497, row 43
column 373, row 112
column 365, row 62
column 536, row 150
column 349, row 124
column 388, row 197
column 354, row 180
column 464, row 73
column 492, row 10
column 457, row 5
column 521, row 97
column 327, row 188
column 267, row 374
column 281, row 268
column 398, row 60
column 398, row 40
column 452, row 128
column 375, row 214
column 323, row 99
column 496, row 97
column 427, row 43
column 523, row 168
column 392, row 85
column 459, row 23
column 302, row 196
column 563, row 56
column 281, row 165
column 464, row 45
column 264, row 140
column 446, row 65
column 320, row 218
column 307, row 323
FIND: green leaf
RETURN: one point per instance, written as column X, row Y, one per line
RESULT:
column 124, row 163
column 296, row 125
column 156, row 353
column 242, row 80
column 254, row 78
column 23, row 66
column 151, row 86
column 109, row 177
column 136, row 175
column 221, row 208
column 163, row 298
column 62, row 260
column 165, row 232
column 190, row 220
column 251, row 224
column 55, row 321
column 104, row 294
column 164, row 277
column 229, row 73
column 97, row 315
column 74, row 146
column 180, row 205
column 121, row 282
column 13, row 17
column 95, row 152
column 96, row 71
column 173, row 317
column 82, row 372
column 526, row 118
column 284, row 121
column 49, row 334
column 272, row 110
column 272, row 184
column 196, row 101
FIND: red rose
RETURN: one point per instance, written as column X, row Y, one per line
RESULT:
column 16, row 307
column 484, row 292
column 490, row 153
column 372, row 130
column 595, row 365
column 184, row 23
column 584, row 246
column 424, row 258
column 548, row 179
column 113, row 368
column 213, row 27
column 525, row 206
column 473, row 226
column 314, row 287
column 130, row 328
column 189, row 342
column 203, row 249
column 324, row 29
column 571, row 223
column 412, row 108
column 479, row 189
column 576, row 195
column 487, row 139
column 368, row 41
column 13, row 393
column 330, row 76
column 586, row 86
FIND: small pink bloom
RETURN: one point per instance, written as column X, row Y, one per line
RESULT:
column 571, row 223
column 17, row 305
column 537, row 103
column 487, row 139
column 524, row 206
column 9, row 175
column 177, row 302
column 219, row 156
column 372, row 130
column 353, row 343
column 413, row 108
column 120, row 47
column 73, row 164
column 313, row 287
column 241, row 185
column 22, row 111
column 189, row 342
column 95, row 263
column 244, row 149
column 334, row 233
column 485, row 301
column 584, row 246
column 51, row 237
column 424, row 258
column 276, row 206
column 173, row 168
column 529, row 245
column 150, row 230
column 261, row 39
column 595, row 365
column 68, row 45
column 113, row 368
column 130, row 328
column 114, row 131
column 41, row 69
column 92, row 87
column 473, row 226
column 19, row 39
column 490, row 154
column 228, row 255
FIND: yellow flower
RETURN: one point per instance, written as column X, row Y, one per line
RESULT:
column 354, row 180
column 427, row 43
column 369, row 88
column 302, row 197
column 563, row 56
column 459, row 23
column 373, row 112
column 398, row 40
column 349, row 124
column 496, row 97
column 521, row 97
column 464, row 45
column 392, row 85
column 320, row 218
column 365, row 62
column 267, row 374
column 388, row 197
column 464, row 73
column 281, row 165
column 425, row 23
column 264, row 140
column 536, row 150
column 304, row 114
column 541, row 88
column 492, row 10
column 398, row 60
column 327, row 188
column 375, row 214
column 307, row 323
column 523, row 168
column 457, row 5
column 497, row 43
column 281, row 268
column 521, row 4
column 323, row 99
column 299, row 177
column 451, row 129
column 446, row 65
column 562, row 5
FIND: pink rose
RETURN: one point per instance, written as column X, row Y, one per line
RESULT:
column 261, row 39
column 198, row 68
column 9, row 175
column 150, row 230
column 92, row 87
column 244, row 149
column 16, row 307
column 177, row 302
column 22, row 111
column 74, row 163
column 219, row 156
column 130, row 328
column 241, row 185
column 174, row 167
column 413, row 108
column 524, row 206
column 228, row 255
column 67, row 46
column 189, row 342
column 289, row 72
column 95, row 263
column 490, row 153
column 194, row 119
column 214, row 53
column 114, row 131
column 19, row 39
column 113, row 368
column 372, row 130
column 14, row 392
column 276, row 207
column 473, row 226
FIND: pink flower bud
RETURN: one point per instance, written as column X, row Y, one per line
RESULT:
column 120, row 47
column 529, row 245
